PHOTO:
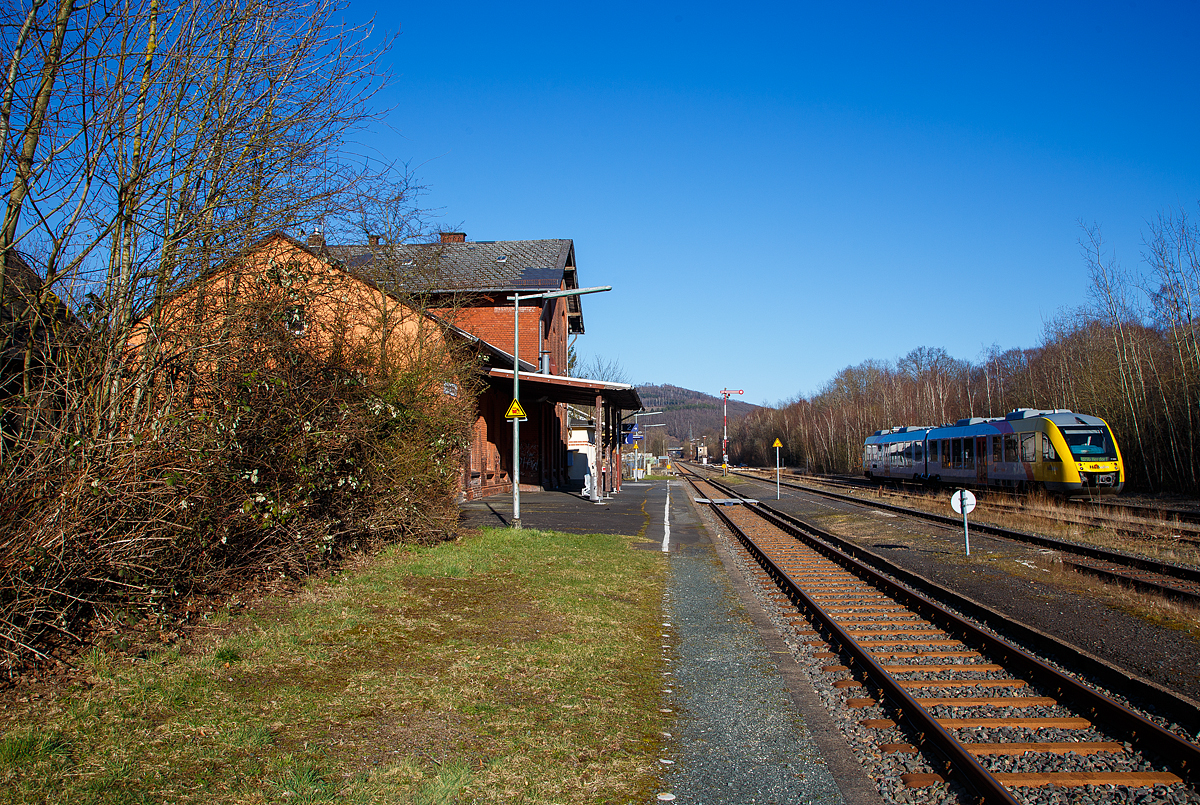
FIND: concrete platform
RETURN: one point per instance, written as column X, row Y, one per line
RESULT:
column 626, row 512
column 748, row 726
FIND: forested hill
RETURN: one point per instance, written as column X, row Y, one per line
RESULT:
column 689, row 414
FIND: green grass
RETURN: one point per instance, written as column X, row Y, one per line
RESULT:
column 510, row 666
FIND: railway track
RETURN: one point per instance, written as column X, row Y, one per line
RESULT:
column 1135, row 519
column 980, row 710
column 1169, row 580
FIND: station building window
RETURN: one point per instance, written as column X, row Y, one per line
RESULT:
column 295, row 319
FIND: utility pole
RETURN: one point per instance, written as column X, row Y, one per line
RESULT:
column 725, row 428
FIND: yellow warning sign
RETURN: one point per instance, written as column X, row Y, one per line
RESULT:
column 777, row 443
column 515, row 411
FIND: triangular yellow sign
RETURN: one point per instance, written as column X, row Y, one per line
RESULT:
column 777, row 443
column 515, row 411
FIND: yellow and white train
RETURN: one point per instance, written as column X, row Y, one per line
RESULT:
column 1058, row 451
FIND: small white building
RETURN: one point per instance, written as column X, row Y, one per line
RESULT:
column 581, row 450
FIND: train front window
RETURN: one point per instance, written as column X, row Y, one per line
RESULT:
column 1093, row 443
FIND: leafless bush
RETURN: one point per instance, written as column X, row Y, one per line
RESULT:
column 144, row 146
column 281, row 461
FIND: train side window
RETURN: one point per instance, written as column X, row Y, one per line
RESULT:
column 1029, row 447
column 1048, row 451
column 933, row 450
column 946, row 453
column 997, row 449
column 1011, row 454
column 956, row 453
column 918, row 452
column 968, row 454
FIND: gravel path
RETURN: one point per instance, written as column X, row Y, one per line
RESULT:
column 741, row 735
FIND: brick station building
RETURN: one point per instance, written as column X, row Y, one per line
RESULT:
column 467, row 286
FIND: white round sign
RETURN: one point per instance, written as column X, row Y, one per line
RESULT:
column 962, row 501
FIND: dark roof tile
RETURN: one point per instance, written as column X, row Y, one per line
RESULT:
column 504, row 265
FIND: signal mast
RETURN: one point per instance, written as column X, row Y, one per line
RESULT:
column 725, row 428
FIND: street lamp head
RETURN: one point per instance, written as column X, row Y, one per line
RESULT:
column 555, row 294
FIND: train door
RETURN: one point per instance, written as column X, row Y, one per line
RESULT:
column 981, row 459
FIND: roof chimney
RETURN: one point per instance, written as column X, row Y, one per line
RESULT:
column 372, row 240
column 316, row 240
column 454, row 237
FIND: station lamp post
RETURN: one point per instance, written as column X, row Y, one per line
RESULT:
column 516, row 299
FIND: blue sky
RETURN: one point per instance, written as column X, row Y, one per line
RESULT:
column 805, row 186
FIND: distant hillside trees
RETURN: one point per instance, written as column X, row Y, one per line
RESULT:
column 1131, row 356
column 691, row 414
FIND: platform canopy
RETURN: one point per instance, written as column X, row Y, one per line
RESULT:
column 573, row 390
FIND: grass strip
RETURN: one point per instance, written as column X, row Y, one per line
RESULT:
column 505, row 667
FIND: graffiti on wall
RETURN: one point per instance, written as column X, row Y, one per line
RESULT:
column 529, row 460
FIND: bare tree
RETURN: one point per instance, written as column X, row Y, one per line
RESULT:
column 599, row 367
column 148, row 141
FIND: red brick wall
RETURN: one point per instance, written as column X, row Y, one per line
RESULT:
column 493, row 322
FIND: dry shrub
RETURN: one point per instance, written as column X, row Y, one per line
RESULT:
column 258, row 458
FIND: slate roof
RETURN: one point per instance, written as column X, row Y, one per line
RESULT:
column 480, row 267
column 500, row 265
